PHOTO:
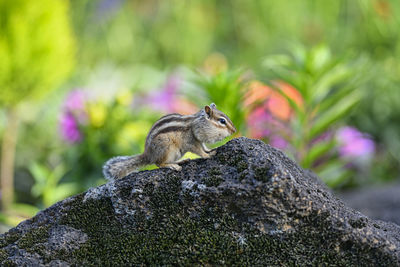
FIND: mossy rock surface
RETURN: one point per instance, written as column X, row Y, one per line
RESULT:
column 249, row 205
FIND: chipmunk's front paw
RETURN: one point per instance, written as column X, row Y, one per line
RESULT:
column 208, row 154
column 212, row 153
column 175, row 167
column 171, row 166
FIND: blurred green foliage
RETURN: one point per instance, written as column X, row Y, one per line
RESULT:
column 227, row 89
column 175, row 32
column 36, row 48
column 341, row 57
column 37, row 54
column 105, row 123
column 328, row 88
column 47, row 185
column 308, row 96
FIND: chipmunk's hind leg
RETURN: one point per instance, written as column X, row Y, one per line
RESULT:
column 166, row 152
column 171, row 159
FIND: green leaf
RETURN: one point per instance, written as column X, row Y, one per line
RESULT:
column 225, row 89
column 298, row 110
column 318, row 58
column 24, row 209
column 277, row 62
column 57, row 173
column 325, row 84
column 45, row 179
column 58, row 193
column 334, row 97
column 334, row 174
column 335, row 113
column 39, row 172
column 295, row 80
column 317, row 151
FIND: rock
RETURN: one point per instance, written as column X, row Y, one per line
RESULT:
column 381, row 203
column 248, row 205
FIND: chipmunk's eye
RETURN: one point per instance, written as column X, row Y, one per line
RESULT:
column 222, row 120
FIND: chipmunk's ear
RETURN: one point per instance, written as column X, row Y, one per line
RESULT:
column 213, row 106
column 208, row 111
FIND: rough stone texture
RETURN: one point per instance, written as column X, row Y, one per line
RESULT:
column 248, row 205
column 381, row 203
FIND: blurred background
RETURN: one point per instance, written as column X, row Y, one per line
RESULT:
column 83, row 81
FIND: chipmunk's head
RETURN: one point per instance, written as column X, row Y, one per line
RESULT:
column 216, row 125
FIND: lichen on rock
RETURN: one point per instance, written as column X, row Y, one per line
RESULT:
column 247, row 205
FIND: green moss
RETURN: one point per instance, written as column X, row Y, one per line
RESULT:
column 3, row 255
column 174, row 227
column 35, row 236
column 9, row 238
column 170, row 236
column 241, row 166
column 213, row 181
column 232, row 160
column 8, row 263
column 89, row 216
column 263, row 174
column 215, row 171
column 187, row 242
column 358, row 223
column 214, row 178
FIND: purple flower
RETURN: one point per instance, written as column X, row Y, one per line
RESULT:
column 278, row 142
column 69, row 128
column 354, row 144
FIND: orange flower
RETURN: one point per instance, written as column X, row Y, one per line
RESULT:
column 291, row 92
column 275, row 102
column 257, row 92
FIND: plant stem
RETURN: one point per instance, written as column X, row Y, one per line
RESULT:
column 7, row 158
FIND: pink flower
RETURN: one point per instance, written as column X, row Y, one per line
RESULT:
column 258, row 123
column 75, row 101
column 262, row 124
column 164, row 100
column 278, row 142
column 74, row 114
column 168, row 99
column 354, row 144
column 69, row 128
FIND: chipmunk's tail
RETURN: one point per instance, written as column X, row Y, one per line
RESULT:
column 119, row 167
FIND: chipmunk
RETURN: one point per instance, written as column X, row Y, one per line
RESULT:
column 171, row 137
